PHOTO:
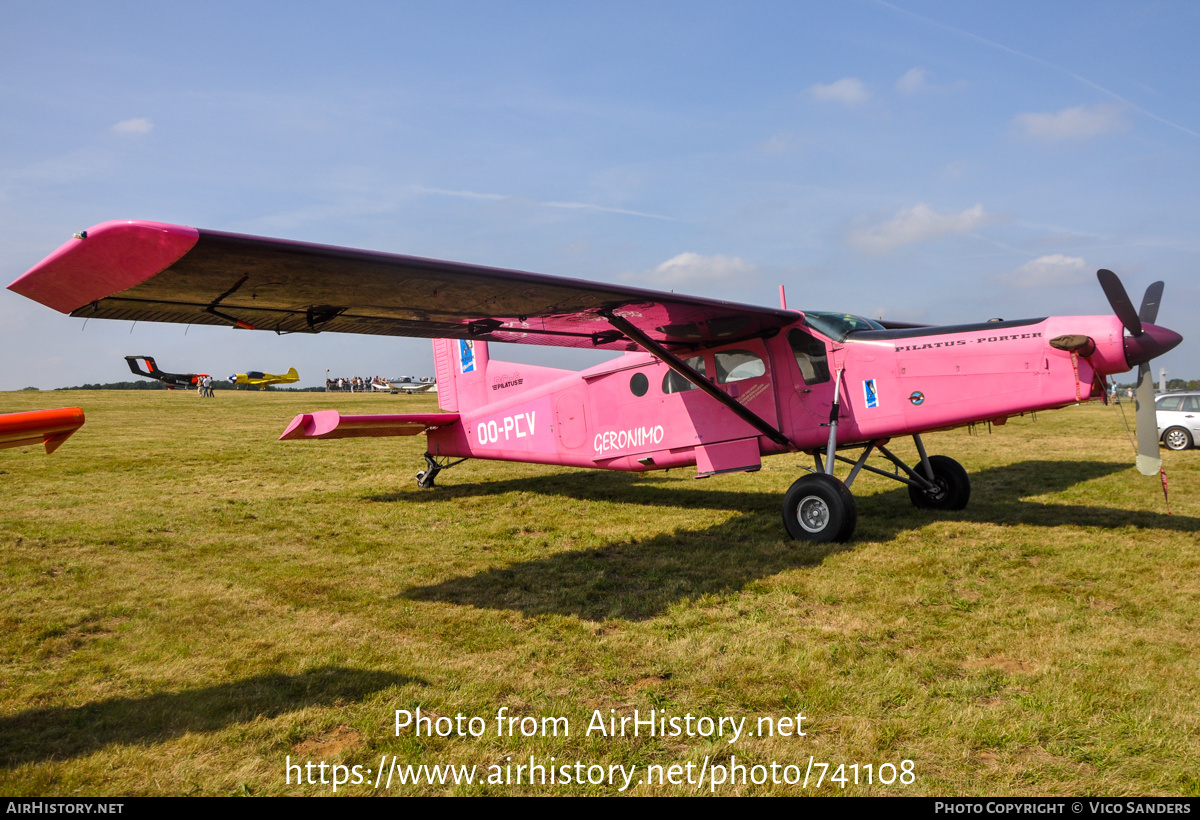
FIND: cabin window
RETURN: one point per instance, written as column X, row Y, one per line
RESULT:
column 810, row 356
column 738, row 365
column 674, row 383
column 639, row 384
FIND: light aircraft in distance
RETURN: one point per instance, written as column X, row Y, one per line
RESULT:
column 409, row 385
column 48, row 427
column 256, row 378
column 701, row 382
column 186, row 381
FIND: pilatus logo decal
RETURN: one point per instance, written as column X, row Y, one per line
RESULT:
column 507, row 380
column 917, row 397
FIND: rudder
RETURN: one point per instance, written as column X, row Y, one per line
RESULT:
column 461, row 368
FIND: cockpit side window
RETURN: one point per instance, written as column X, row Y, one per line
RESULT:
column 674, row 383
column 810, row 354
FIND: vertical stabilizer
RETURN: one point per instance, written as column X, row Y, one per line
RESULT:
column 461, row 366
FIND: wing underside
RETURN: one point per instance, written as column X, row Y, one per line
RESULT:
column 164, row 273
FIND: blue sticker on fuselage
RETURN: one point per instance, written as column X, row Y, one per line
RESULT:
column 466, row 355
column 871, row 393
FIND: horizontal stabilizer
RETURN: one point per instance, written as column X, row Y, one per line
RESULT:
column 332, row 424
column 48, row 427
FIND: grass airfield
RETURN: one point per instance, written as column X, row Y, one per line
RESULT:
column 187, row 603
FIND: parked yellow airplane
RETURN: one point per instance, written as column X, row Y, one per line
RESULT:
column 256, row 378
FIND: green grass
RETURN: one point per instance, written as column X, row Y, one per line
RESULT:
column 185, row 602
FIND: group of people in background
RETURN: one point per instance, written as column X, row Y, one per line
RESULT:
column 356, row 384
column 204, row 387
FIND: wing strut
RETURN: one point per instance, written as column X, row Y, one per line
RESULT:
column 679, row 366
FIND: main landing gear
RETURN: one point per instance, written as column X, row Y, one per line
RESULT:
column 432, row 468
column 818, row 507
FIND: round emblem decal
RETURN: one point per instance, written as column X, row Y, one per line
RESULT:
column 917, row 397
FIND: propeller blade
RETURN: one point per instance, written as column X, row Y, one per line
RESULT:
column 1119, row 299
column 1150, row 303
column 1148, row 461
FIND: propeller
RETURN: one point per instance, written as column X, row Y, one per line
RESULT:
column 1145, row 341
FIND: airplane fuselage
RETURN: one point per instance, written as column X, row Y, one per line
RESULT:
column 635, row 413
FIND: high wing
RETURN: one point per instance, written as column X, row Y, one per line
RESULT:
column 150, row 271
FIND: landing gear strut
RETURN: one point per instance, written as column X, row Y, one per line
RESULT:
column 820, row 508
column 432, row 468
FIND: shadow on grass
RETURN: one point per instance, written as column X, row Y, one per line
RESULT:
column 61, row 733
column 640, row 579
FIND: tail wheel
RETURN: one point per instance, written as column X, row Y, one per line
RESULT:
column 1176, row 438
column 819, row 508
column 953, row 486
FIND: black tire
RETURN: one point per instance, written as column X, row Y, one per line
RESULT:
column 1177, row 438
column 425, row 479
column 954, row 486
column 819, row 508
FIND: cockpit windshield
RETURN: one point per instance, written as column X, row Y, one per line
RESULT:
column 838, row 325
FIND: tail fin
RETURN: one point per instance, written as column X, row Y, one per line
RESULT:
column 461, row 366
column 132, row 361
column 468, row 377
column 293, row 375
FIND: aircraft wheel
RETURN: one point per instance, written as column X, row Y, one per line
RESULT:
column 1177, row 438
column 954, row 486
column 819, row 508
column 425, row 479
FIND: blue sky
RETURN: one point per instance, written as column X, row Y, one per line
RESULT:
column 926, row 161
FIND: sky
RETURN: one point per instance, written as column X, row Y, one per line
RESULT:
column 935, row 162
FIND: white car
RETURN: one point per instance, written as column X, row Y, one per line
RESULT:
column 1178, row 419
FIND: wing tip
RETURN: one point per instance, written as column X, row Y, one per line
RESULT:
column 104, row 260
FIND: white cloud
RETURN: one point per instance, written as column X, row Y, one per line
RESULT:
column 569, row 206
column 848, row 90
column 692, row 270
column 777, row 144
column 916, row 81
column 1052, row 270
column 917, row 224
column 138, row 125
column 1078, row 123
column 913, row 81
column 954, row 170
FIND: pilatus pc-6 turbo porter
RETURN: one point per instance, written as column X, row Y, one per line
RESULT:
column 700, row 382
column 256, row 378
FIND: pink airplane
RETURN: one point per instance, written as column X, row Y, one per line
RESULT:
column 701, row 382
